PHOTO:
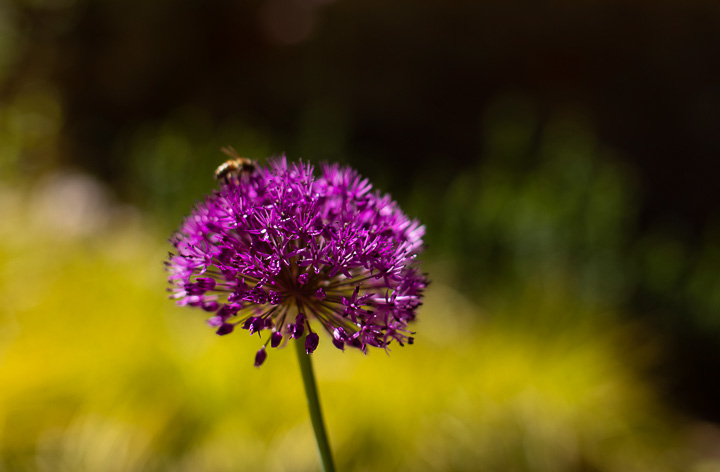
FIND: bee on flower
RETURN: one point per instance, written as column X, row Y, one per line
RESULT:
column 279, row 250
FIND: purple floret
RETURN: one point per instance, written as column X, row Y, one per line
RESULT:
column 281, row 247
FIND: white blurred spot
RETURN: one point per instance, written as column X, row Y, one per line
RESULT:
column 70, row 205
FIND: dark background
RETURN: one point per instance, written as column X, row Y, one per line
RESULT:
column 410, row 81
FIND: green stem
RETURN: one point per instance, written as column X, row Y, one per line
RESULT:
column 313, row 402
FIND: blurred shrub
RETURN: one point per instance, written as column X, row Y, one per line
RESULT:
column 550, row 205
column 101, row 372
column 547, row 203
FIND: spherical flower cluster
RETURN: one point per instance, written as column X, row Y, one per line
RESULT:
column 277, row 247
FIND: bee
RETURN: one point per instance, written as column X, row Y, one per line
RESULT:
column 235, row 168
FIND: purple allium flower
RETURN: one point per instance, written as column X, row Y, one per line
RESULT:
column 279, row 247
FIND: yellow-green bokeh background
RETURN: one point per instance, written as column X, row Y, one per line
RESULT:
column 100, row 372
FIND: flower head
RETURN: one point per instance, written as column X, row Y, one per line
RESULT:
column 278, row 247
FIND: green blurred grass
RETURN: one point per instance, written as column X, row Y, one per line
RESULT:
column 100, row 372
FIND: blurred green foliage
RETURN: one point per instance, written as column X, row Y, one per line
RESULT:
column 546, row 204
column 100, row 372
